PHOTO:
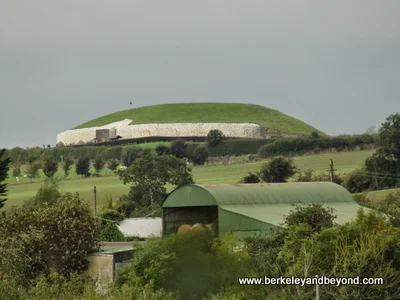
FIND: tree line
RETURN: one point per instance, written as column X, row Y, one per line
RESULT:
column 216, row 144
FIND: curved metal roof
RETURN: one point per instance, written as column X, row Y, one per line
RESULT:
column 260, row 193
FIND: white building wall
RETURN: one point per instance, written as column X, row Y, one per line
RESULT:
column 232, row 130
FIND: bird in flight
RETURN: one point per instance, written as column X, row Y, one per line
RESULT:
column 130, row 103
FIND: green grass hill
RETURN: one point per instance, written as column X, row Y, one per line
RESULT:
column 208, row 113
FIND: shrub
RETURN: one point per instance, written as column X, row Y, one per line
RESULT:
column 32, row 169
column 98, row 163
column 56, row 235
column 237, row 147
column 112, row 152
column 338, row 179
column 82, row 166
column 314, row 135
column 250, row 178
column 113, row 164
column 214, row 137
column 357, row 181
column 16, row 170
column 381, row 171
column 200, row 155
column 278, row 169
column 391, row 207
column 163, row 150
column 191, row 267
column 315, row 215
column 362, row 199
column 50, row 167
column 179, row 148
column 130, row 154
column 301, row 145
column 267, row 151
column 66, row 165
column 305, row 176
column 108, row 229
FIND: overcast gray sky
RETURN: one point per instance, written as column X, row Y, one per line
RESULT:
column 333, row 64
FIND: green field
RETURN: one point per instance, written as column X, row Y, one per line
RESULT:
column 377, row 196
column 208, row 113
column 111, row 185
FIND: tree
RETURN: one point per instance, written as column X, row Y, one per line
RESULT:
column 314, row 134
column 315, row 215
column 83, row 166
column 67, row 164
column 113, row 152
column 390, row 137
column 47, row 195
column 113, row 164
column 214, row 137
column 4, row 168
column 200, row 155
column 384, row 165
column 130, row 154
column 16, row 170
column 357, row 181
column 391, row 207
column 163, row 150
column 368, row 247
column 109, row 230
column 382, row 171
column 278, row 169
column 150, row 173
column 179, row 148
column 192, row 267
column 50, row 166
column 371, row 130
column 98, row 164
column 33, row 169
column 58, row 234
column 250, row 178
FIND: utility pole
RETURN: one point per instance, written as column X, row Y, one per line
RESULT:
column 331, row 170
column 95, row 202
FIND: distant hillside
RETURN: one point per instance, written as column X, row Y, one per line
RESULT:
column 208, row 113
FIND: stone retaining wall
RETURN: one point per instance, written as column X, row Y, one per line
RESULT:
column 122, row 128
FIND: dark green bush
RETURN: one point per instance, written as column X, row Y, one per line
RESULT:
column 308, row 144
column 214, row 137
column 200, row 155
column 357, row 181
column 179, row 148
column 250, row 178
column 112, row 152
column 163, row 150
column 236, row 147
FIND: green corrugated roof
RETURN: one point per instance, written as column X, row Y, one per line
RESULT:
column 252, row 194
column 275, row 213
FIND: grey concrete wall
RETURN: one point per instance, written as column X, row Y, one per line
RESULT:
column 102, row 268
column 102, row 134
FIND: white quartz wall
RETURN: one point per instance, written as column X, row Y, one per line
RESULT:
column 238, row 130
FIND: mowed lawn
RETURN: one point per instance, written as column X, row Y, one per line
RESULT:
column 112, row 186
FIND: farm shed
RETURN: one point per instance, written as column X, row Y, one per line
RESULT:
column 104, row 264
column 141, row 227
column 246, row 209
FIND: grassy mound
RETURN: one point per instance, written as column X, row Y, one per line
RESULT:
column 208, row 113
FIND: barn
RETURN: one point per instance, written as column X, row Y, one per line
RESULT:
column 247, row 209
